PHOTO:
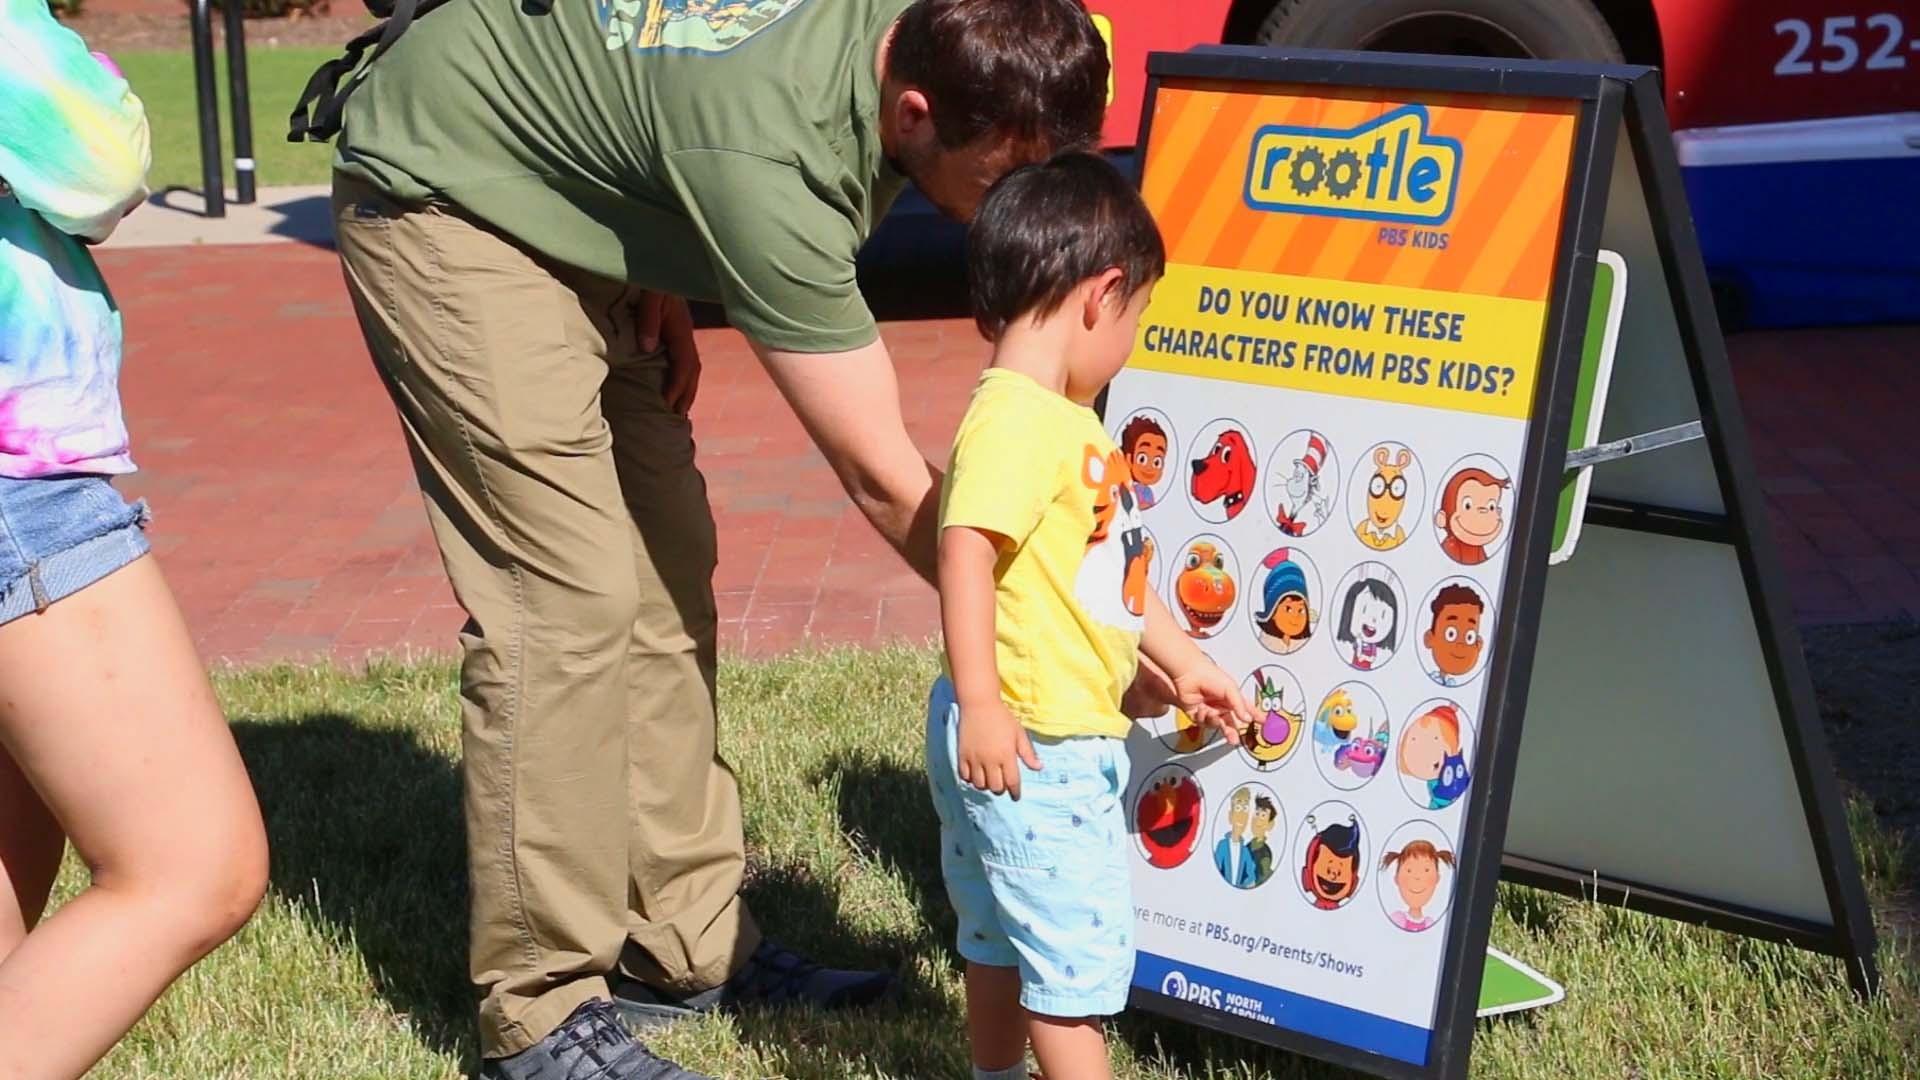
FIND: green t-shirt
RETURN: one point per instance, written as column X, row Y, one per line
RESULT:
column 721, row 150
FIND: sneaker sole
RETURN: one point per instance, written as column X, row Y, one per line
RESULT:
column 644, row 1017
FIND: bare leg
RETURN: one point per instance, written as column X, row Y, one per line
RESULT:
column 996, row 1024
column 1069, row 1049
column 106, row 710
column 30, row 848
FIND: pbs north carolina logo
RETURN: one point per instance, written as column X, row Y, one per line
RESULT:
column 1176, row 986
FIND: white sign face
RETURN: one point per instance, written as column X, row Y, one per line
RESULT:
column 1305, row 879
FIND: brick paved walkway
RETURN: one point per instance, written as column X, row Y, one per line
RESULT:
column 290, row 527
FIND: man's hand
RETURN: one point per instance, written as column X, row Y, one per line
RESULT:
column 663, row 317
column 992, row 745
column 1211, row 697
column 1151, row 694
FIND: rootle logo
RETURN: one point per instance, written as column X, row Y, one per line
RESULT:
column 1387, row 169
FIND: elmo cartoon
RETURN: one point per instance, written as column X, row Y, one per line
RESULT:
column 1168, row 817
column 1332, row 872
column 1226, row 474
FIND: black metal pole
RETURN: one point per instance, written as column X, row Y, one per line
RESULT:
column 210, row 181
column 237, row 101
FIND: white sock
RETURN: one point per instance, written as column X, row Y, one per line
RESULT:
column 1015, row 1071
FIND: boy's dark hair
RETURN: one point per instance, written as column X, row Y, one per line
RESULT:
column 1264, row 805
column 1139, row 428
column 1456, row 596
column 1045, row 228
column 1033, row 71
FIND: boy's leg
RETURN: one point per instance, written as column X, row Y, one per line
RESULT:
column 1069, row 1048
column 687, row 928
column 996, row 1024
column 496, row 370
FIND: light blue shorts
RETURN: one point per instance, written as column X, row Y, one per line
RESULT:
column 1041, row 883
column 60, row 534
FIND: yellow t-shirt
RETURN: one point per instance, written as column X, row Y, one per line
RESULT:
column 1070, row 586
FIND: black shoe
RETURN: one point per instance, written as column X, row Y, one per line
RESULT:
column 589, row 1045
column 771, row 976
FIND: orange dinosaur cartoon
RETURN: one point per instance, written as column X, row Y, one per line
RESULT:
column 1109, row 477
column 1204, row 589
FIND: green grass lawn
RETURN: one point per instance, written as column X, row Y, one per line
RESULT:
column 354, row 966
column 275, row 77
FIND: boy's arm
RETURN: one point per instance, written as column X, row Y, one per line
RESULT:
column 1201, row 688
column 992, row 741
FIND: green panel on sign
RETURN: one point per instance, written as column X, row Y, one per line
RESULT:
column 1507, row 985
column 1590, row 395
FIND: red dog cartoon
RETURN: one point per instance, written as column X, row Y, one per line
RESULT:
column 1226, row 474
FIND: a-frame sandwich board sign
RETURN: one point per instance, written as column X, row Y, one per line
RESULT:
column 1348, row 418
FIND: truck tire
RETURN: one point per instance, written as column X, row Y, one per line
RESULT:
column 1542, row 29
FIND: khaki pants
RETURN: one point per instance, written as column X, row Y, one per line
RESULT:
column 603, row 829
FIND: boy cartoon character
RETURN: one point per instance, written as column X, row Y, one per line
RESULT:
column 1386, row 500
column 1430, row 752
column 1265, row 813
column 1369, row 618
column 1285, row 620
column 1118, row 534
column 1145, row 444
column 1454, row 638
column 1270, row 737
column 1331, row 873
column 1416, row 875
column 1304, row 505
column 1204, row 589
column 1226, row 474
column 1469, row 515
column 1230, row 854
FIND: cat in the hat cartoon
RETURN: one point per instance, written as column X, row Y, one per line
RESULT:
column 1303, row 505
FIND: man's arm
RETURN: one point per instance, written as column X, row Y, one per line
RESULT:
column 849, row 402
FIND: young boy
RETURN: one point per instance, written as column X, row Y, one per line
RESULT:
column 1045, row 613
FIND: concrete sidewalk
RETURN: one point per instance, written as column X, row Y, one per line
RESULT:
column 177, row 218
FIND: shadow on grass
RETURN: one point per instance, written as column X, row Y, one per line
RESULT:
column 365, row 831
column 886, row 813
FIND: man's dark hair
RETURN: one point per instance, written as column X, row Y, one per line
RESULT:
column 1264, row 805
column 1033, row 71
column 1045, row 228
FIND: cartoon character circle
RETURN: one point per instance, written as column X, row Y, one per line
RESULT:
column 1179, row 732
column 1330, row 855
column 1436, row 743
column 1167, row 813
column 1385, row 496
column 1472, row 517
column 1351, row 733
column 1455, row 624
column 1202, row 585
column 1222, row 474
column 1369, row 606
column 1284, row 601
column 1148, row 440
column 1279, row 716
column 1416, row 872
column 1302, row 479
column 1244, row 830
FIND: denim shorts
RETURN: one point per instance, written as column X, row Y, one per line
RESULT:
column 1041, row 883
column 60, row 534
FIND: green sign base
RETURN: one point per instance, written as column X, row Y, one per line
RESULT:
column 1509, row 986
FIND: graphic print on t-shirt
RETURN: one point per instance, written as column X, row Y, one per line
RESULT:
column 698, row 25
column 1113, row 580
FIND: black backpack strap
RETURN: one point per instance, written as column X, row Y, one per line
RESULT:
column 316, row 116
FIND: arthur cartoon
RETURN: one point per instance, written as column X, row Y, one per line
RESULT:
column 1226, row 474
column 1369, row 621
column 1469, row 515
column 1265, row 813
column 1230, row 854
column 1386, row 500
column 1331, row 873
column 1112, row 581
column 1285, row 620
column 1204, row 589
column 1416, row 876
column 1453, row 639
column 1145, row 444
column 1430, row 753
column 1304, row 505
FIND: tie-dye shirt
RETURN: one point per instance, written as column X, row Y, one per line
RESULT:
column 73, row 161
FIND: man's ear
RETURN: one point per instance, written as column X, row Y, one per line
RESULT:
column 912, row 115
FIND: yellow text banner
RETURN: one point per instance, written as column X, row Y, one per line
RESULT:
column 1455, row 351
